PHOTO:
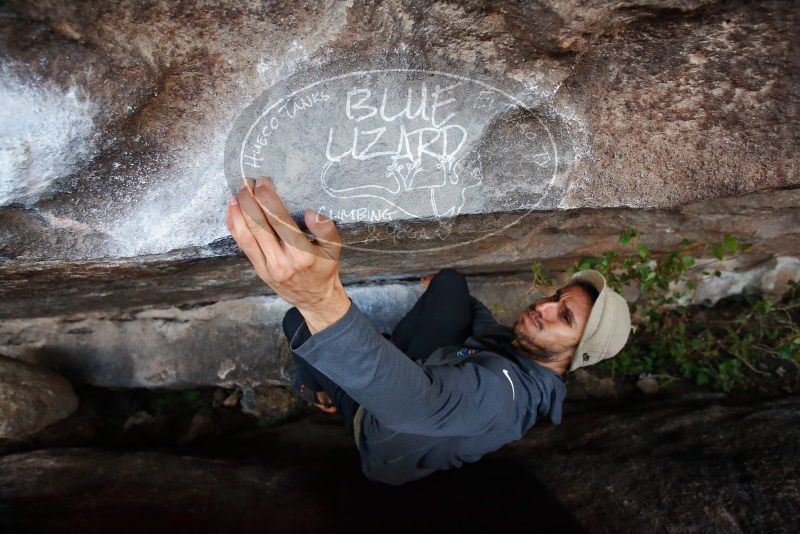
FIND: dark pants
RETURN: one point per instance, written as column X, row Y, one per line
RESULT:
column 442, row 316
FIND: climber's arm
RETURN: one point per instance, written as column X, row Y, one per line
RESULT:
column 339, row 340
column 459, row 400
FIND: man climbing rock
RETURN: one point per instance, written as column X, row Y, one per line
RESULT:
column 451, row 383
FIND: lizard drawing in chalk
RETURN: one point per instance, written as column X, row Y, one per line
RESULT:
column 422, row 178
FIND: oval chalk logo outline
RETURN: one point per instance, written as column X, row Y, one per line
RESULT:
column 518, row 105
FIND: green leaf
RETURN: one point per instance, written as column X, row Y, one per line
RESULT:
column 626, row 236
column 718, row 251
column 540, row 276
column 191, row 394
column 762, row 307
column 687, row 261
column 785, row 352
column 702, row 378
column 642, row 250
column 730, row 243
column 609, row 256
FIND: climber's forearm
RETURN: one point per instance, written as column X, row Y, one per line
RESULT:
column 327, row 311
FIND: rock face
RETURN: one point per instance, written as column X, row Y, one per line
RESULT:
column 240, row 342
column 31, row 398
column 770, row 221
column 548, row 127
column 302, row 477
column 233, row 343
column 113, row 147
column 678, row 466
column 673, row 467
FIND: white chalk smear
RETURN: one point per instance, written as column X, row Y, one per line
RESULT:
column 45, row 133
column 185, row 207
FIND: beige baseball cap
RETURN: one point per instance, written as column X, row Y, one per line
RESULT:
column 608, row 326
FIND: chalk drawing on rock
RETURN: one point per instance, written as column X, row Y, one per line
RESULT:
column 387, row 145
column 423, row 171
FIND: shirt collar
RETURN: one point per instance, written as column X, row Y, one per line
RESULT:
column 505, row 335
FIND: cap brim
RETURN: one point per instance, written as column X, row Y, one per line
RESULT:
column 598, row 281
column 593, row 277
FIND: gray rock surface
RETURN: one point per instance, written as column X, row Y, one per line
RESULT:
column 232, row 343
column 271, row 403
column 31, row 398
column 301, row 477
column 239, row 343
column 770, row 221
column 114, row 146
column 685, row 465
column 673, row 466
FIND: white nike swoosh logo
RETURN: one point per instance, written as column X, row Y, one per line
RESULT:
column 513, row 392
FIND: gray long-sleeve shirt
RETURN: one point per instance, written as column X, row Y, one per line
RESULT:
column 421, row 416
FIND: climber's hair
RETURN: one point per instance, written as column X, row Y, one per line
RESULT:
column 587, row 287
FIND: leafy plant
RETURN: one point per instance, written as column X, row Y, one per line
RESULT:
column 673, row 339
column 191, row 394
column 540, row 276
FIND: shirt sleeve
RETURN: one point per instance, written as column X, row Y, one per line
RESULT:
column 482, row 318
column 404, row 396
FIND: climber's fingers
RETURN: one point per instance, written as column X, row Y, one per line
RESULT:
column 297, row 270
column 261, row 229
column 326, row 409
column 279, row 217
column 235, row 220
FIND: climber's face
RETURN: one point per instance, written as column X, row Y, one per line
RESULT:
column 551, row 327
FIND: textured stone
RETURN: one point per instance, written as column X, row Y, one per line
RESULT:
column 272, row 402
column 200, row 426
column 770, row 221
column 302, row 477
column 585, row 385
column 678, row 118
column 673, row 466
column 239, row 343
column 234, row 343
column 648, row 384
column 772, row 278
column 707, row 92
column 31, row 398
column 678, row 466
column 660, row 103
